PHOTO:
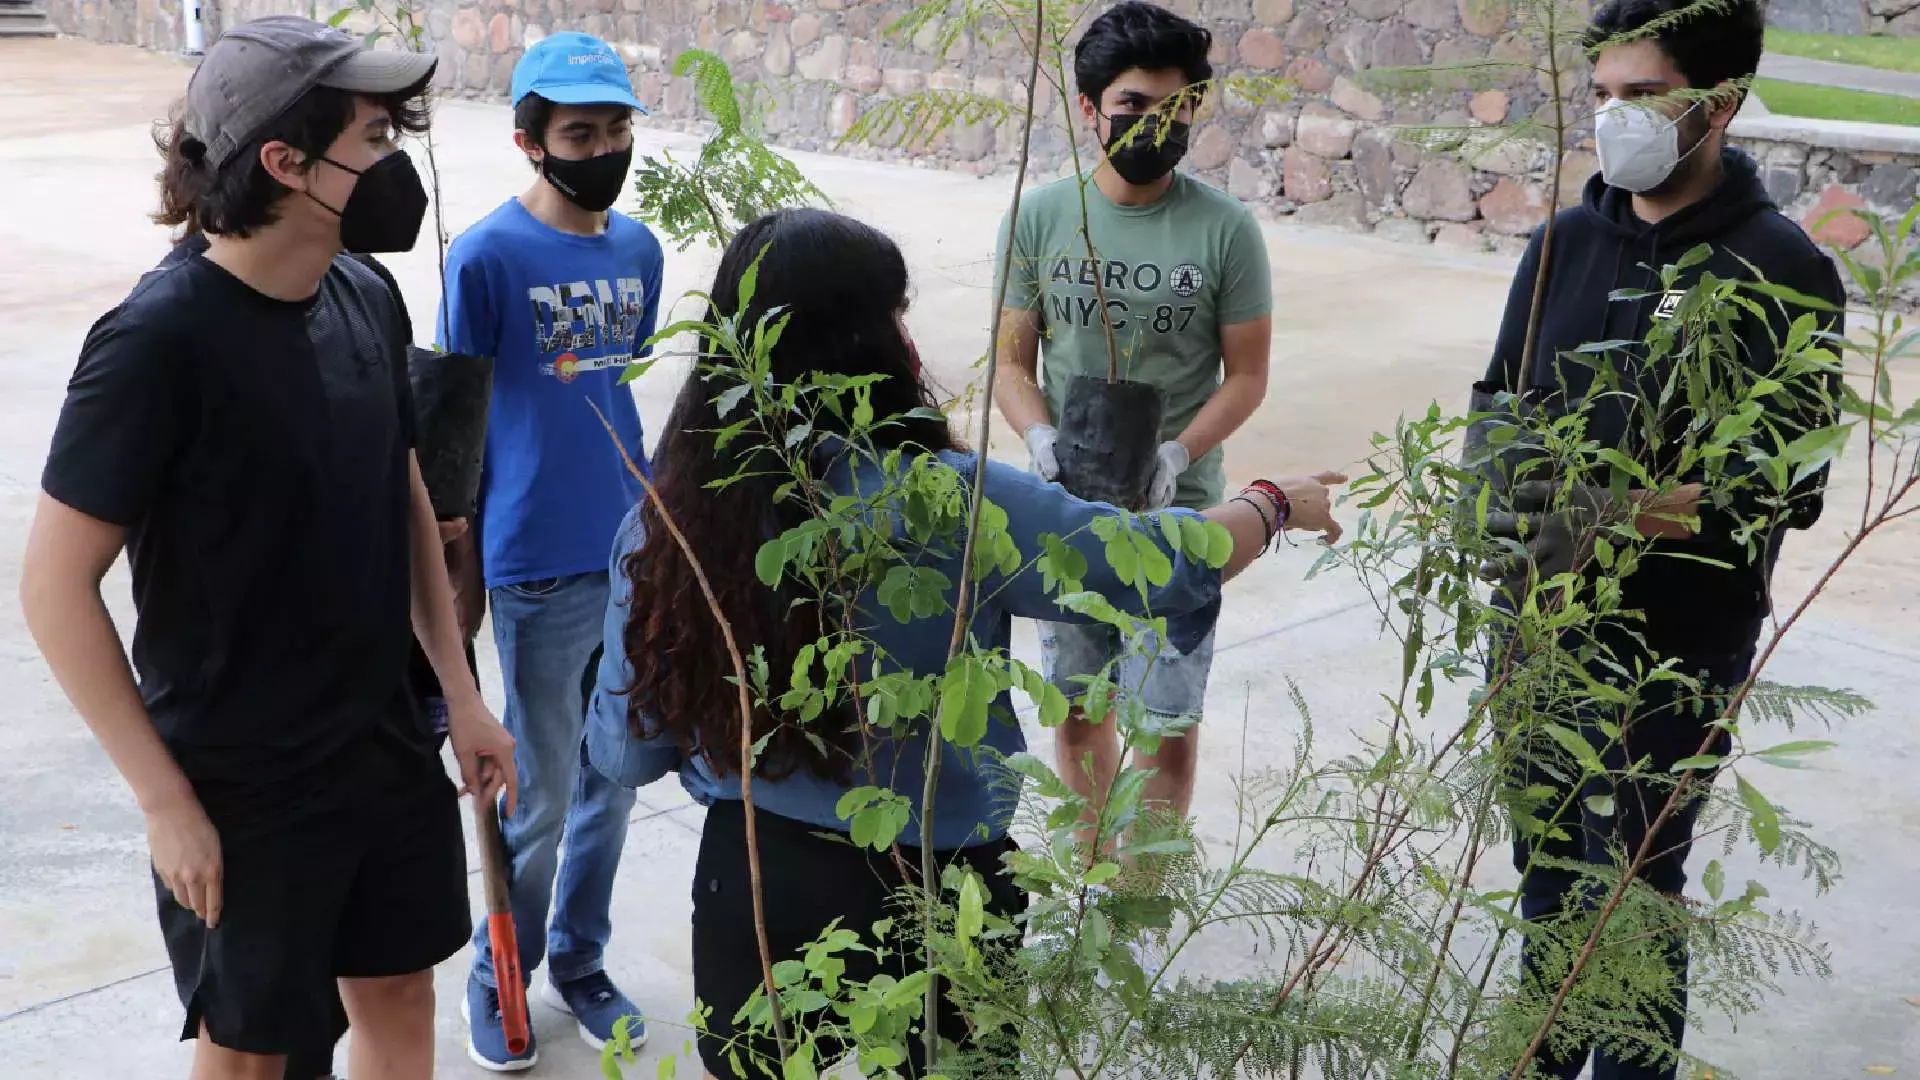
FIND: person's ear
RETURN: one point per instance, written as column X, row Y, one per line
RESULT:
column 528, row 146
column 1090, row 111
column 1722, row 107
column 286, row 165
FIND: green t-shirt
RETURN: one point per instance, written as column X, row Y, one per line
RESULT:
column 1173, row 273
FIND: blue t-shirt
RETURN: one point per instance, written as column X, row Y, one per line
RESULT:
column 561, row 315
column 971, row 806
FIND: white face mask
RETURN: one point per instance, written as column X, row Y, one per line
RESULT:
column 1639, row 148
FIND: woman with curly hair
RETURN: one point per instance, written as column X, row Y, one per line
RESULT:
column 665, row 700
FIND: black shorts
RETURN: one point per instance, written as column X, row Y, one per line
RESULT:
column 808, row 881
column 376, row 887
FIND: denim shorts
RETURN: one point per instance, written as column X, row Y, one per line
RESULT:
column 1167, row 681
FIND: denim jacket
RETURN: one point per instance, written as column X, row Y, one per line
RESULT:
column 970, row 807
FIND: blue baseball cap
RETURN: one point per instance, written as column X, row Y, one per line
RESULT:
column 574, row 69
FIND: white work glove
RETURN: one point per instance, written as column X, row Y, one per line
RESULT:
column 1172, row 461
column 1040, row 440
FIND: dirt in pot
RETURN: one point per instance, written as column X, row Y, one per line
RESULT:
column 1109, row 433
column 451, row 395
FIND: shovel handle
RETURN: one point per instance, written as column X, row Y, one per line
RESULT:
column 500, row 932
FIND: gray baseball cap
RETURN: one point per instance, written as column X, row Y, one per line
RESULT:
column 256, row 71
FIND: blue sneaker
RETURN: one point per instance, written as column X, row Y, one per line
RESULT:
column 487, row 1034
column 598, row 1005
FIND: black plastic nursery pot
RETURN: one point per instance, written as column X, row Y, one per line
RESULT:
column 451, row 395
column 1109, row 435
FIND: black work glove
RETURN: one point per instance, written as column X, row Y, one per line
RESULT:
column 1555, row 524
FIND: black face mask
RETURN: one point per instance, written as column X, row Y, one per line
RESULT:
column 1148, row 155
column 592, row 184
column 386, row 208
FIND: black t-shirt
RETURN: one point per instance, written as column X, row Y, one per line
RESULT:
column 425, row 683
column 257, row 452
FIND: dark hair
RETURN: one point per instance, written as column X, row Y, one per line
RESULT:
column 1717, row 41
column 1139, row 35
column 841, row 285
column 534, row 115
column 241, row 196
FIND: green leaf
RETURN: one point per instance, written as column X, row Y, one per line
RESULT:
column 1124, row 558
column 1714, row 879
column 853, row 801
column 1602, row 805
column 965, row 693
column 1219, row 545
column 1095, row 607
column 1580, row 748
column 896, row 592
column 1815, row 449
column 771, row 562
column 1695, row 255
column 339, row 18
column 799, row 1065
column 1103, row 873
column 1171, row 528
column 1054, row 706
column 1152, row 912
column 1766, row 820
column 636, row 369
column 1062, row 567
column 1790, row 297
column 731, row 399
column 1195, row 541
column 1787, row 755
column 1096, row 935
column 1698, row 762
column 1153, row 561
column 972, row 917
column 1622, row 463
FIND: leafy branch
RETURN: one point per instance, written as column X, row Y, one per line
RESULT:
column 735, row 178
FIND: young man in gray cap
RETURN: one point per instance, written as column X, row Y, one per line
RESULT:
column 240, row 425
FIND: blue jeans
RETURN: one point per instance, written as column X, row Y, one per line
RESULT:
column 1172, row 683
column 546, row 632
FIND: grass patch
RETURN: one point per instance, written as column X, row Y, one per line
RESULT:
column 1886, row 53
column 1828, row 103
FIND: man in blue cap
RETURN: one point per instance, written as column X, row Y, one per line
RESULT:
column 563, row 293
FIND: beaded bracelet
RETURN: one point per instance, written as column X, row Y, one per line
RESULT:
column 1272, row 491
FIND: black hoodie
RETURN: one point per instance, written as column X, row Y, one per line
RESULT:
column 1692, row 609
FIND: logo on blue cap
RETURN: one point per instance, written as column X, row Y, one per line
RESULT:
column 574, row 69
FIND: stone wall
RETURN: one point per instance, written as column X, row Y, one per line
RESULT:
column 1326, row 156
column 1900, row 17
column 1814, row 169
column 150, row 24
column 1329, row 156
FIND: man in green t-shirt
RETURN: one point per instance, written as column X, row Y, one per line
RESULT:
column 1182, row 270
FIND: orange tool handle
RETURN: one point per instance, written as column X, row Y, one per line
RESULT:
column 500, row 933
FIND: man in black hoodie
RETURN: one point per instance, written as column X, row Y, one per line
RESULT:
column 1668, row 184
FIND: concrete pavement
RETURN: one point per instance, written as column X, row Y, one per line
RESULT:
column 1366, row 330
column 1801, row 69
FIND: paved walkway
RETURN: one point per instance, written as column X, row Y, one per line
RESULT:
column 1367, row 330
column 1800, row 69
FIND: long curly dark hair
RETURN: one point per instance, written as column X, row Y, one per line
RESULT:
column 843, row 286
